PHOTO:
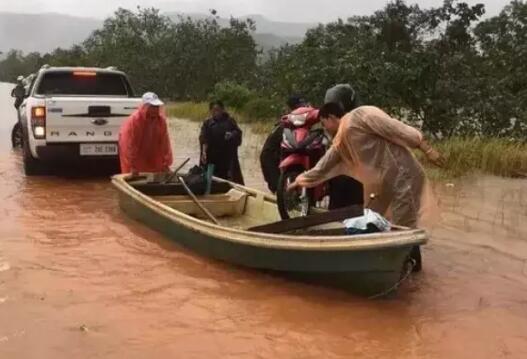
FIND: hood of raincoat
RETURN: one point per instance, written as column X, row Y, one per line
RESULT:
column 144, row 143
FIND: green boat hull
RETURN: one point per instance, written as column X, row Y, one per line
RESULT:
column 367, row 272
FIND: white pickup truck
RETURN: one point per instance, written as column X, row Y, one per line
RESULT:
column 73, row 114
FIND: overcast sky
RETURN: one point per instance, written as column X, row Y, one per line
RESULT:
column 287, row 10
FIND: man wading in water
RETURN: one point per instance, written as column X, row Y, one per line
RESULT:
column 374, row 148
column 219, row 140
column 144, row 144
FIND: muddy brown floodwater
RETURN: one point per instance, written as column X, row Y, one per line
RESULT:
column 80, row 280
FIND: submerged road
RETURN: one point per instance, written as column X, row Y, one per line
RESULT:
column 80, row 280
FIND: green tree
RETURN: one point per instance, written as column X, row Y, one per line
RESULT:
column 503, row 44
column 135, row 43
column 417, row 64
column 15, row 64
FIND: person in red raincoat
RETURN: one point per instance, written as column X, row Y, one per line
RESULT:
column 144, row 144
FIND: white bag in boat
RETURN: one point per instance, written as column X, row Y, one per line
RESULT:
column 369, row 216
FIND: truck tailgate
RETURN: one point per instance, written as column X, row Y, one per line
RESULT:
column 86, row 119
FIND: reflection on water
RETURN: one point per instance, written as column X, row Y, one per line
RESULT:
column 79, row 279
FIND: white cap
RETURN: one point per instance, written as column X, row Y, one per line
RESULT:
column 20, row 78
column 152, row 99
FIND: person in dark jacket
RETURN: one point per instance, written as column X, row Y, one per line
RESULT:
column 219, row 140
column 19, row 92
column 270, row 156
column 344, row 190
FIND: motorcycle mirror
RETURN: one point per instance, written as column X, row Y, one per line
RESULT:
column 373, row 197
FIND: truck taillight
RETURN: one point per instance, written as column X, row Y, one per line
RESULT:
column 38, row 122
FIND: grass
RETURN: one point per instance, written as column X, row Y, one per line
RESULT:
column 195, row 111
column 464, row 156
column 496, row 156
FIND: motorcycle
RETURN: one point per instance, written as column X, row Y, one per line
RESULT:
column 301, row 149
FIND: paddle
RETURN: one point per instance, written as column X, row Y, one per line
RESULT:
column 292, row 224
column 174, row 174
column 196, row 201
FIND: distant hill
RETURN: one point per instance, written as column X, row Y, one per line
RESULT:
column 270, row 41
column 263, row 25
column 45, row 32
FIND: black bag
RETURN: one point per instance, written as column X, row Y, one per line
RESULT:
column 196, row 180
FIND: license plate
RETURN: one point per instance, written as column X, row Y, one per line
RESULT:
column 98, row 149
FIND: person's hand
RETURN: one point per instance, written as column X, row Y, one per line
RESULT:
column 229, row 135
column 293, row 186
column 204, row 158
column 435, row 157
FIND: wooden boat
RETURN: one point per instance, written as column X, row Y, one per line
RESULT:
column 365, row 263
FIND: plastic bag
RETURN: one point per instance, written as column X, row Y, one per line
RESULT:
column 370, row 222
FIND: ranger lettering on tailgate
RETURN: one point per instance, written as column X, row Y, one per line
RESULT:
column 87, row 133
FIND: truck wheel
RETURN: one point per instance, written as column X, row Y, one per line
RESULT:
column 17, row 136
column 32, row 166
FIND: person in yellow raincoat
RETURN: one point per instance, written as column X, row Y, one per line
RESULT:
column 374, row 148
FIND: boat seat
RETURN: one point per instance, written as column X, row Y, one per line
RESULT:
column 228, row 204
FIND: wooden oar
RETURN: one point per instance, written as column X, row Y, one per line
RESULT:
column 196, row 201
column 174, row 174
column 292, row 224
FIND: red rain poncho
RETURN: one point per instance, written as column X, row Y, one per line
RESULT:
column 144, row 144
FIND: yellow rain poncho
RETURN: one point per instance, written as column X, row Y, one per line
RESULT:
column 374, row 148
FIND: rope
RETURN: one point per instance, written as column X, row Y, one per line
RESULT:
column 410, row 264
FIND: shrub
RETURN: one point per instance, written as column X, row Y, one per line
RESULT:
column 232, row 94
column 261, row 108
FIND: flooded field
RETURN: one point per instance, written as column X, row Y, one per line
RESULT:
column 80, row 280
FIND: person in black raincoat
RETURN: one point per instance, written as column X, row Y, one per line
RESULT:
column 219, row 140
